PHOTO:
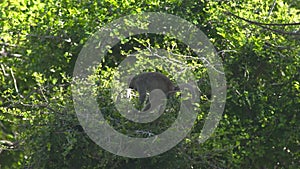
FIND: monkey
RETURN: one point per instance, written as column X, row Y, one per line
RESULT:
column 148, row 81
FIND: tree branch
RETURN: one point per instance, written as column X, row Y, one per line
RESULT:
column 264, row 25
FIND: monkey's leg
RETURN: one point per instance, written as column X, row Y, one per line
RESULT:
column 142, row 95
column 148, row 105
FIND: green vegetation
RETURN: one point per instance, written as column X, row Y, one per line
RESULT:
column 258, row 42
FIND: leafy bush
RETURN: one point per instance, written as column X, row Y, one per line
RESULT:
column 40, row 42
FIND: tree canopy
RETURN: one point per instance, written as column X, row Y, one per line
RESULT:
column 257, row 42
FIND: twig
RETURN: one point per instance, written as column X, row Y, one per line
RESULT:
column 45, row 98
column 264, row 25
column 274, row 3
column 260, row 23
column 14, row 79
column 224, row 51
column 3, row 70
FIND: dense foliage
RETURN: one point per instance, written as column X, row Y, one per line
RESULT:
column 258, row 42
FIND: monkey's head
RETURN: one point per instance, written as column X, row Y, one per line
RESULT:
column 131, row 81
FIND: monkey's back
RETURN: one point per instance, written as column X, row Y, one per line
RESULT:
column 151, row 81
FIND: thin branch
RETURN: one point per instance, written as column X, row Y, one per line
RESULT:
column 206, row 62
column 267, row 44
column 260, row 23
column 3, row 70
column 224, row 51
column 264, row 25
column 274, row 3
column 14, row 79
column 280, row 31
column 45, row 98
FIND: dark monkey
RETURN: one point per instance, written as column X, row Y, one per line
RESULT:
column 148, row 81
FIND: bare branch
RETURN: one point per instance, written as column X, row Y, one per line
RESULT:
column 3, row 70
column 274, row 3
column 14, row 79
column 264, row 25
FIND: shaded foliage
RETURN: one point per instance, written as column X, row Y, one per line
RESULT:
column 39, row 45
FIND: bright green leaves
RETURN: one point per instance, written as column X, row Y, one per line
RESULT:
column 40, row 42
